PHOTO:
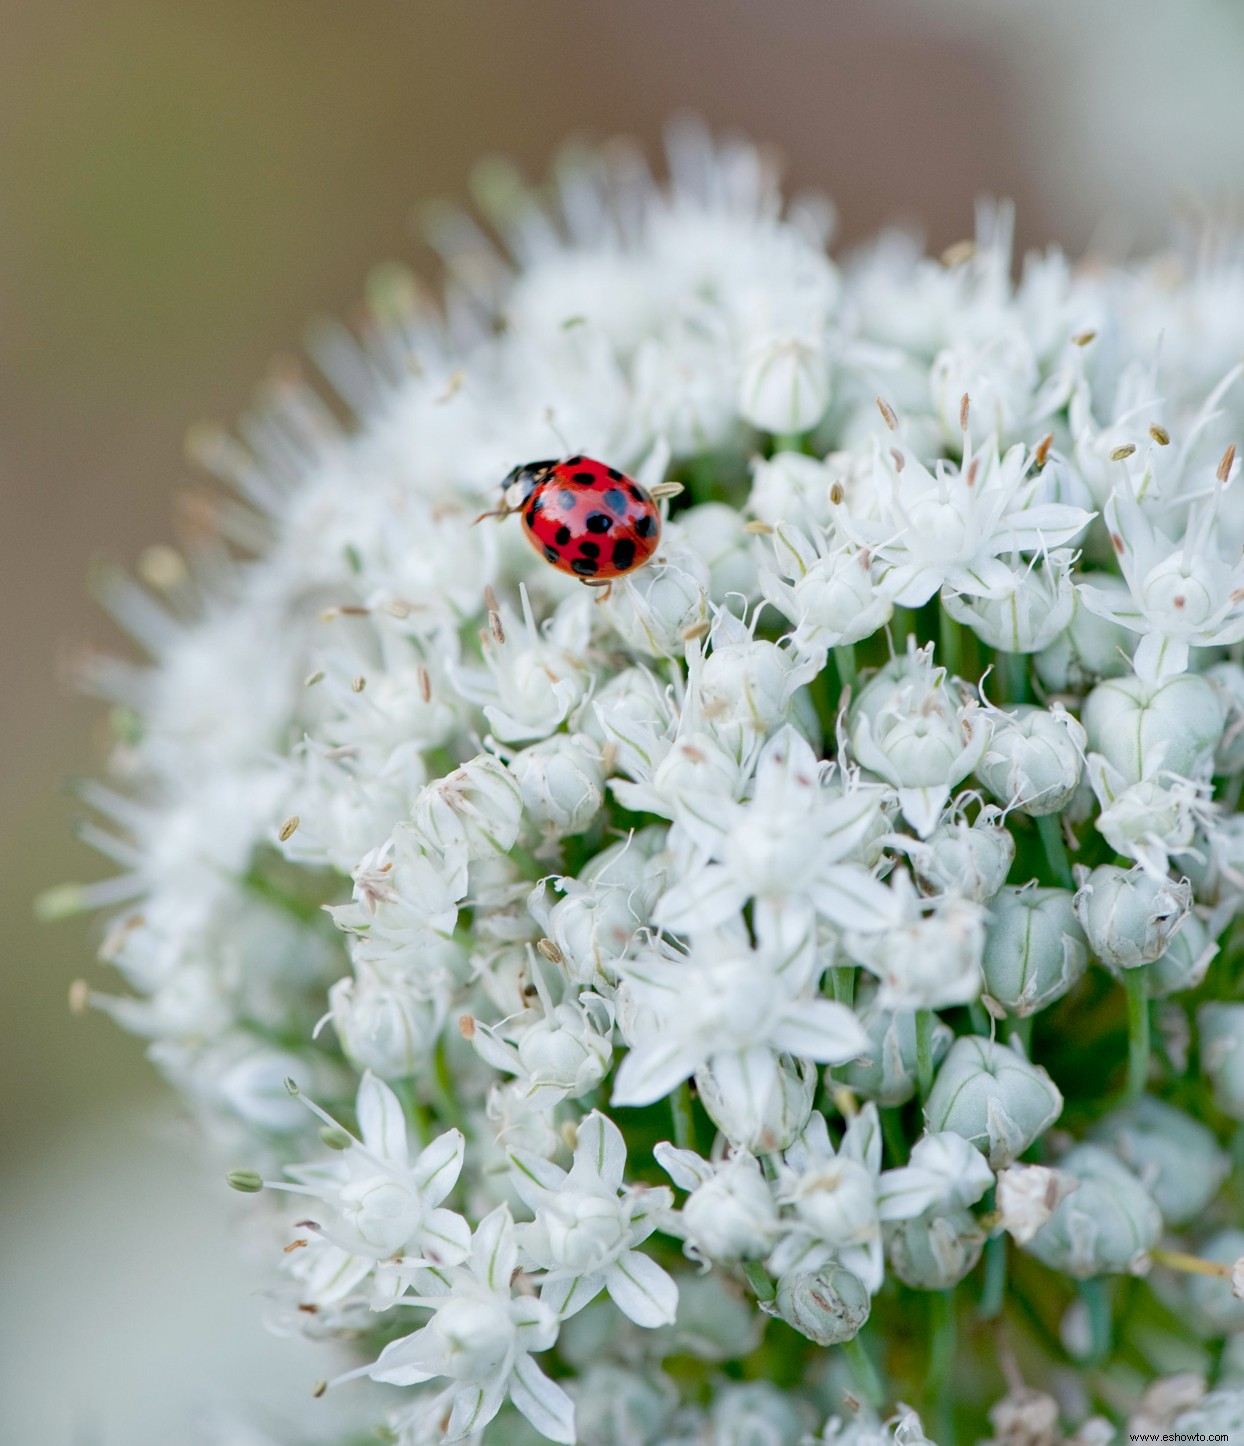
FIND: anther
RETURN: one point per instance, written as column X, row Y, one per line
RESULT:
column 1160, row 435
column 888, row 414
column 1120, row 454
column 358, row 684
column 1224, row 467
column 289, row 827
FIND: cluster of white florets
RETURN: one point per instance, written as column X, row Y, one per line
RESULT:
column 682, row 946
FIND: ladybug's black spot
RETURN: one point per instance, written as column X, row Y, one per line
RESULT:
column 643, row 526
column 562, row 536
column 623, row 553
column 531, row 516
column 615, row 500
column 636, row 492
column 598, row 522
column 567, row 499
column 589, row 549
column 572, row 461
column 585, row 567
column 551, row 554
column 588, row 479
column 614, row 474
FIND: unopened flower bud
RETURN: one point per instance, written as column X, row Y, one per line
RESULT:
column 1034, row 609
column 563, row 1052
column 475, row 810
column 562, row 783
column 972, row 859
column 1106, row 1227
column 789, row 487
column 1033, row 760
column 1228, row 679
column 388, row 1026
column 731, row 1216
column 785, row 385
column 935, row 1251
column 1221, row 1028
column 991, row 1095
column 760, row 1119
column 827, row 1306
column 1129, row 916
column 1090, row 647
column 1140, row 727
column 245, row 1181
column 1035, row 950
column 887, row 1071
column 1174, row 1156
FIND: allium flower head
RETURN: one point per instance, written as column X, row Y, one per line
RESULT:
column 775, row 868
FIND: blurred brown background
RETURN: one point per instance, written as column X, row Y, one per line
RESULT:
column 182, row 185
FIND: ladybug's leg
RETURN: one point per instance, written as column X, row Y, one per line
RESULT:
column 502, row 511
column 602, row 582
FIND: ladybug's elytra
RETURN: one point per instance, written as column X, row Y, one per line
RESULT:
column 584, row 517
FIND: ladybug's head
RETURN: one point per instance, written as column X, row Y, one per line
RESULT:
column 522, row 482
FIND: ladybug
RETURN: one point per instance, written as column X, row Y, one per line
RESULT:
column 584, row 517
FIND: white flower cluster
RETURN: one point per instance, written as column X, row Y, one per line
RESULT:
column 776, row 868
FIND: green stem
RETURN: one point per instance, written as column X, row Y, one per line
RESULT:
column 979, row 1015
column 759, row 1281
column 924, row 1052
column 1050, row 827
column 994, row 1290
column 1095, row 1294
column 949, row 643
column 902, row 625
column 788, row 442
column 684, row 1121
column 844, row 659
column 1136, row 982
column 1013, row 676
column 892, row 1134
column 842, row 977
column 942, row 1349
column 864, row 1371
column 1021, row 1028
column 443, row 1089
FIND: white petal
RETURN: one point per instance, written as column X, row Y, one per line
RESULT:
column 651, row 1071
column 922, row 807
column 849, row 896
column 709, row 897
column 445, row 1238
column 549, row 1409
column 568, row 1296
column 534, row 1178
column 474, row 1406
column 599, row 1153
column 437, row 1168
column 821, row 1030
column 494, row 1253
column 408, row 1361
column 684, row 1167
column 642, row 1290
column 382, row 1124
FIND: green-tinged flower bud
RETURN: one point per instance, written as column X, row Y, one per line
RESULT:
column 617, row 1407
column 785, row 384
column 1106, row 1227
column 991, row 1095
column 1028, row 613
column 758, row 1413
column 968, row 859
column 1221, row 1027
column 827, row 1306
column 1129, row 916
column 1185, row 961
column 1141, row 727
column 1219, row 1417
column 1215, row 1309
column 1033, row 760
column 245, row 1181
column 562, row 783
column 935, row 1252
column 1228, row 679
column 887, row 1072
column 766, row 1118
column 1174, row 1156
column 1035, row 951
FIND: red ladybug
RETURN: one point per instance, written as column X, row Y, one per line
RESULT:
column 584, row 517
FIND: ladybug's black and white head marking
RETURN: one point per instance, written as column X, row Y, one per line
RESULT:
column 523, row 481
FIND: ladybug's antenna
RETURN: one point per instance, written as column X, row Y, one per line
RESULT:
column 553, row 427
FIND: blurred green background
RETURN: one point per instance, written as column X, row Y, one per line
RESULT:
column 183, row 185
